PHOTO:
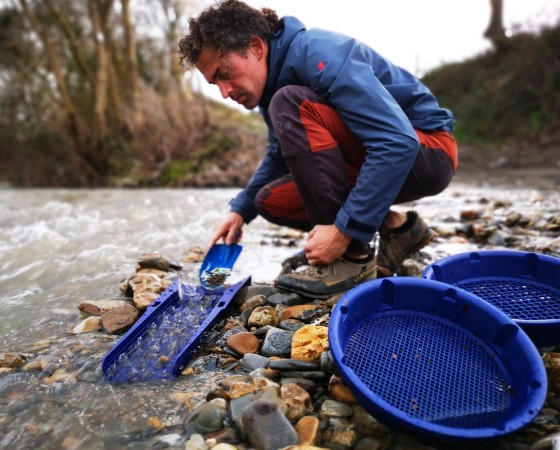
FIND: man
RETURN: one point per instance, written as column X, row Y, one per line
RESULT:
column 350, row 134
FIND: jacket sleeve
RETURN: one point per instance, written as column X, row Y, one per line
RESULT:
column 343, row 71
column 271, row 168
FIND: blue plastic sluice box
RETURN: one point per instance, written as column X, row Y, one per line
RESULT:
column 160, row 344
column 429, row 358
column 524, row 285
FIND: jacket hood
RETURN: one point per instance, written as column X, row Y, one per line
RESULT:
column 279, row 46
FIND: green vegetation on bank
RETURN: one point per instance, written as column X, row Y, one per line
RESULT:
column 510, row 94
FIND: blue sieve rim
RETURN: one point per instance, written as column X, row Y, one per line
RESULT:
column 476, row 270
column 378, row 407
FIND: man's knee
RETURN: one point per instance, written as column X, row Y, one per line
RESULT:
column 289, row 99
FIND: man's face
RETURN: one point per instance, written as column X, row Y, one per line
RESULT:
column 239, row 77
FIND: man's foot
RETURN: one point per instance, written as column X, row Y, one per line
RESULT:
column 396, row 245
column 326, row 280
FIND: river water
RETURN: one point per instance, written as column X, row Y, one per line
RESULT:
column 61, row 247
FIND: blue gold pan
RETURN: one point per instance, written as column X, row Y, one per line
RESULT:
column 217, row 265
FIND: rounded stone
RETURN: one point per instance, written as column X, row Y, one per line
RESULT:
column 243, row 342
column 309, row 342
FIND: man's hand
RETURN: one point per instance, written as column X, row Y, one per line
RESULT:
column 230, row 230
column 325, row 244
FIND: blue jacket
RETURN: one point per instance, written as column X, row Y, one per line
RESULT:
column 381, row 103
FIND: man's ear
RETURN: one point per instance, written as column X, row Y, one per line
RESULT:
column 257, row 47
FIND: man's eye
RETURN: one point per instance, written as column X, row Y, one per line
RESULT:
column 224, row 74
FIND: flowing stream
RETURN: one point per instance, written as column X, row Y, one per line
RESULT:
column 61, row 247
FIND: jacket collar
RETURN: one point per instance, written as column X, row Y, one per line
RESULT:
column 278, row 49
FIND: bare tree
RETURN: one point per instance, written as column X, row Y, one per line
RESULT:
column 495, row 31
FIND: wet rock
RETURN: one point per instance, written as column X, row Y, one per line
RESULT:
column 307, row 429
column 196, row 442
column 298, row 401
column 366, row 423
column 244, row 316
column 309, row 342
column 243, row 342
column 552, row 365
column 146, row 288
column 277, row 342
column 291, row 324
column 513, row 219
column 238, row 390
column 195, row 254
column 206, row 418
column 254, row 302
column 333, row 408
column 470, row 214
column 37, row 365
column 12, row 360
column 327, row 363
column 303, row 374
column 237, row 406
column 292, row 364
column 548, row 443
column 342, row 436
column 297, row 312
column 266, row 427
column 370, row 443
column 99, row 307
column 225, row 436
column 87, row 325
column 252, row 361
column 289, row 299
column 158, row 262
column 226, row 383
column 412, row 268
column 304, row 447
column 119, row 319
column 224, row 446
column 216, row 392
column 339, row 391
column 262, row 316
column 62, row 375
column 553, row 224
column 304, row 383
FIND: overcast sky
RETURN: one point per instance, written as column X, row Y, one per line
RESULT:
column 418, row 35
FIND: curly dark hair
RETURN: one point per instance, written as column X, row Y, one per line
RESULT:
column 227, row 27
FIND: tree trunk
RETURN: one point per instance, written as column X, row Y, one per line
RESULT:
column 74, row 46
column 56, row 67
column 101, row 75
column 496, row 31
column 133, row 86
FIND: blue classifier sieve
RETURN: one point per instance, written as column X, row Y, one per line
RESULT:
column 524, row 285
column 433, row 359
column 160, row 344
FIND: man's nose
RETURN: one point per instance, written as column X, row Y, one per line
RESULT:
column 225, row 89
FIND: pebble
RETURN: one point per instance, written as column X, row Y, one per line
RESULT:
column 243, row 342
column 252, row 361
column 267, row 427
column 309, row 342
column 307, row 429
column 254, row 302
column 205, row 418
column 292, row 364
column 277, row 342
column 263, row 315
column 119, row 319
column 297, row 312
column 333, row 408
